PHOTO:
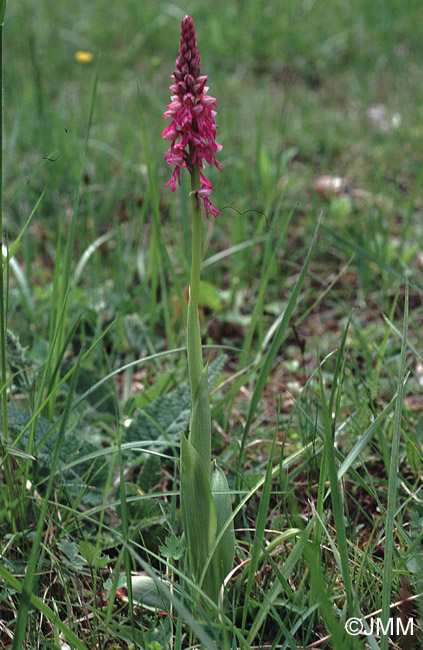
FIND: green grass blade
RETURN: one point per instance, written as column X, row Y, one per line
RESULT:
column 278, row 586
column 203, row 635
column 338, row 512
column 27, row 586
column 331, row 422
column 366, row 437
column 2, row 11
column 400, row 335
column 68, row 375
column 260, row 526
column 87, row 254
column 266, row 270
column 13, row 248
column 318, row 593
column 4, row 272
column 393, row 480
column 271, row 355
column 369, row 257
column 228, row 252
column 69, row 252
column 36, row 602
column 45, row 376
column 24, row 289
column 125, row 532
column 157, row 257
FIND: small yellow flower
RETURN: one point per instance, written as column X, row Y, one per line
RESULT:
column 83, row 57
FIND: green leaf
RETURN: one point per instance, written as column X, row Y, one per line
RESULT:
column 89, row 552
column 172, row 547
column 200, row 429
column 101, row 399
column 146, row 593
column 214, row 370
column 223, row 559
column 198, row 510
column 168, row 414
column 150, row 473
column 94, row 472
column 71, row 551
column 210, row 296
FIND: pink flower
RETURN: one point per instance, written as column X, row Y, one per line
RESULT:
column 192, row 129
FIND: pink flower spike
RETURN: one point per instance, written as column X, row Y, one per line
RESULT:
column 192, row 129
column 204, row 191
column 209, row 207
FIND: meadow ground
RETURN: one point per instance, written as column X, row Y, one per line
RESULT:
column 316, row 362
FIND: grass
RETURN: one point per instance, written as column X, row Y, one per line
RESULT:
column 314, row 344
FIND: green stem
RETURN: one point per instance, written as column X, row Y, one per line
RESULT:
column 194, row 349
column 196, row 236
column 2, row 12
column 2, row 301
column 8, row 469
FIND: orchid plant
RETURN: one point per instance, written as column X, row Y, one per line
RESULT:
column 205, row 500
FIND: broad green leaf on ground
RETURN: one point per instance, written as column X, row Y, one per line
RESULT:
column 169, row 414
column 150, row 473
column 100, row 399
column 146, row 593
column 94, row 472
